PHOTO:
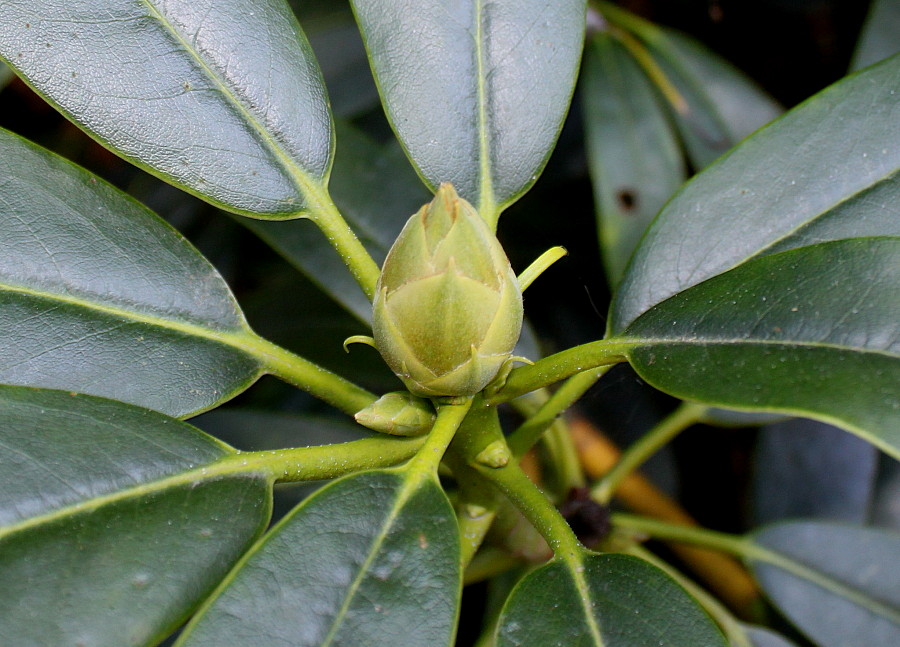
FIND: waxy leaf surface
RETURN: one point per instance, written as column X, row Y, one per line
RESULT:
column 810, row 331
column 825, row 171
column 99, row 295
column 115, row 521
column 476, row 91
column 611, row 601
column 837, row 583
column 222, row 98
column 372, row 559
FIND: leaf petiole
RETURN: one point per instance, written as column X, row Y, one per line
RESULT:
column 686, row 415
column 323, row 212
column 559, row 366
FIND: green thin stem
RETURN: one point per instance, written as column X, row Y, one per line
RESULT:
column 312, row 378
column 686, row 415
column 325, row 214
column 562, row 365
column 536, row 508
column 477, row 507
column 541, row 415
column 476, row 511
column 327, row 461
column 565, row 461
column 489, row 563
column 449, row 419
column 724, row 542
column 281, row 465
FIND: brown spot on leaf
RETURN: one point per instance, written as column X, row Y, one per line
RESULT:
column 627, row 199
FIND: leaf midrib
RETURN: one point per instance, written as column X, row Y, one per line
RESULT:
column 232, row 464
column 575, row 564
column 638, row 342
column 239, row 338
column 412, row 481
column 486, row 205
column 779, row 560
column 311, row 189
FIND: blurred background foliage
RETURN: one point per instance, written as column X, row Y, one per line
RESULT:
column 667, row 86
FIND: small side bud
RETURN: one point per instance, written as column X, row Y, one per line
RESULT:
column 494, row 455
column 398, row 413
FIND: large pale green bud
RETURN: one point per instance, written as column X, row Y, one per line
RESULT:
column 448, row 308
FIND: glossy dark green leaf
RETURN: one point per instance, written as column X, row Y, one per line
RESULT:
column 837, row 583
column 476, row 91
column 377, row 191
column 880, row 36
column 807, row 469
column 372, row 559
column 633, row 154
column 114, row 521
column 810, row 332
column 608, row 601
column 99, row 295
column 223, row 98
column 825, row 171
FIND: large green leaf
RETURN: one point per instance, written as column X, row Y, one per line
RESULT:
column 223, row 98
column 825, row 171
column 810, row 331
column 99, row 295
column 836, row 583
column 114, row 521
column 635, row 161
column 372, row 559
column 377, row 192
column 477, row 91
column 880, row 36
column 607, row 601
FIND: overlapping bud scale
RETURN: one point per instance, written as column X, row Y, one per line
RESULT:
column 448, row 308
